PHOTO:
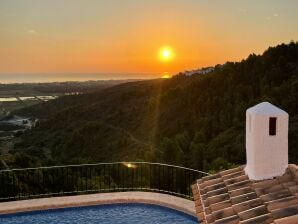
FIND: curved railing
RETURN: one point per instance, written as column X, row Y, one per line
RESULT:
column 39, row 182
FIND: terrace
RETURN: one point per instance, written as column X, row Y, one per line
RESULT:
column 43, row 188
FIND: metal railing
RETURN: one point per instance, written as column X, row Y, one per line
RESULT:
column 16, row 184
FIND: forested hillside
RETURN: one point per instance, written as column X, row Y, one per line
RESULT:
column 196, row 121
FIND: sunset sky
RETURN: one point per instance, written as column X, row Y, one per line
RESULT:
column 126, row 36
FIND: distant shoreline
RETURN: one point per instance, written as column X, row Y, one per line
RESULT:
column 34, row 78
column 69, row 81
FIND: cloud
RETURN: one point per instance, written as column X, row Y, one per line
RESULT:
column 272, row 16
column 32, row 32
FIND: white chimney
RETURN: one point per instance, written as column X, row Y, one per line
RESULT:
column 266, row 141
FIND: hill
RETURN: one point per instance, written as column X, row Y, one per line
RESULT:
column 195, row 121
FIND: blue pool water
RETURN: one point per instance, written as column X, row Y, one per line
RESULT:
column 102, row 214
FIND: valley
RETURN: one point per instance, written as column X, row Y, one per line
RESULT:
column 194, row 121
column 14, row 97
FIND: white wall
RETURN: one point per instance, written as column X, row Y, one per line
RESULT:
column 267, row 156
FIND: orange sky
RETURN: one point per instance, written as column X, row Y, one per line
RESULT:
column 111, row 36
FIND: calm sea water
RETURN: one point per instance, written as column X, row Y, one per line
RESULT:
column 103, row 214
column 62, row 77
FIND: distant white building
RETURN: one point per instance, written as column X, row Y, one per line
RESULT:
column 201, row 71
column 266, row 141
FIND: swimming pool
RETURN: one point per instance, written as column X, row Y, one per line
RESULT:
column 103, row 214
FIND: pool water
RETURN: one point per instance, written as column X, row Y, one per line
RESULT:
column 103, row 214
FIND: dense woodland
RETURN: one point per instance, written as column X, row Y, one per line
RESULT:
column 196, row 121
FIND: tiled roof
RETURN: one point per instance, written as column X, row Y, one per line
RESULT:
column 230, row 197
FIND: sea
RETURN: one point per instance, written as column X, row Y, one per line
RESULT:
column 7, row 78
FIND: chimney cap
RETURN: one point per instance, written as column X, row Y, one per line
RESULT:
column 266, row 108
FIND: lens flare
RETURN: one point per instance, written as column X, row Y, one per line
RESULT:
column 130, row 165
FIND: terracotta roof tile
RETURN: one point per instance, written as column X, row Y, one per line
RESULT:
column 210, row 218
column 218, row 198
column 287, row 220
column 210, row 177
column 236, row 179
column 198, row 203
column 267, row 190
column 285, row 178
column 276, row 195
column 283, row 203
column 289, row 184
column 213, row 187
column 232, row 175
column 199, row 209
column 204, row 196
column 265, row 184
column 211, row 182
column 243, row 198
column 294, row 170
column 230, row 197
column 253, row 212
column 228, row 220
column 208, row 210
column 247, row 205
column 240, row 191
column 217, row 192
column 231, row 171
column 294, row 189
column 238, row 185
column 221, row 205
column 224, row 213
column 284, row 212
column 201, row 216
column 262, row 219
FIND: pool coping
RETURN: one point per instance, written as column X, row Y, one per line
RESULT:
column 169, row 201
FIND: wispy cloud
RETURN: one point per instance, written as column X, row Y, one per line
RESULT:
column 272, row 16
column 32, row 32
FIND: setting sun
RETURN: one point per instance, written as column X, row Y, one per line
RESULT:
column 166, row 54
column 166, row 75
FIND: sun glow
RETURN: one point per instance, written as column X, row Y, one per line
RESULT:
column 166, row 54
column 166, row 75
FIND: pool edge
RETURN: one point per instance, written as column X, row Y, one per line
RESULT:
column 169, row 201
